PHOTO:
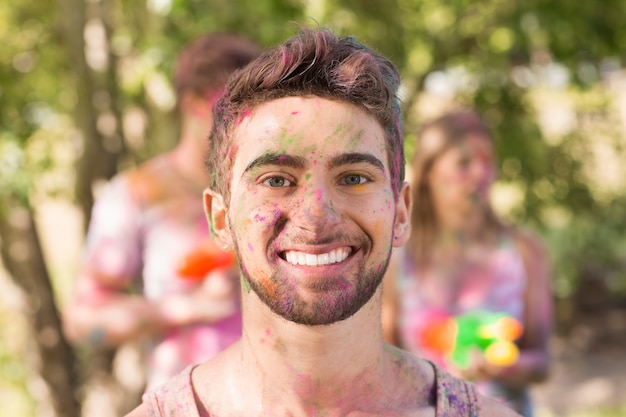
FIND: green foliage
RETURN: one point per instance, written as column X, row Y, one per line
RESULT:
column 504, row 58
column 31, row 94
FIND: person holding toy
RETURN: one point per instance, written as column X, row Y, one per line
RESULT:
column 463, row 265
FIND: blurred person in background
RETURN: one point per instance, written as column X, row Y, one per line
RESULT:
column 150, row 270
column 462, row 258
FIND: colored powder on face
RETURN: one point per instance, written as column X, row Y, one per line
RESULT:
column 250, row 247
column 244, row 114
column 269, row 286
column 308, row 176
column 244, row 282
column 337, row 133
column 286, row 140
column 377, row 227
column 355, row 140
column 332, row 207
column 259, row 218
column 318, row 194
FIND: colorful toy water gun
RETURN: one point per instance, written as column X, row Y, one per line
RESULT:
column 199, row 262
column 456, row 337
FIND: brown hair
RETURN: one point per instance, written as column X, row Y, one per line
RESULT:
column 311, row 63
column 204, row 66
column 454, row 127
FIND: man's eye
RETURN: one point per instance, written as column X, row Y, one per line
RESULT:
column 277, row 182
column 354, row 179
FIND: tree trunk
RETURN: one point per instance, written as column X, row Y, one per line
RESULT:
column 23, row 258
column 96, row 95
column 102, row 394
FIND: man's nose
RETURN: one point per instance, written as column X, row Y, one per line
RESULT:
column 316, row 211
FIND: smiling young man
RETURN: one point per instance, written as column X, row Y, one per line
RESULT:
column 308, row 188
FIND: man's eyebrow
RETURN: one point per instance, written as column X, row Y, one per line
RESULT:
column 280, row 159
column 356, row 158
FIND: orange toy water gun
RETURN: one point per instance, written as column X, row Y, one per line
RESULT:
column 196, row 264
column 456, row 337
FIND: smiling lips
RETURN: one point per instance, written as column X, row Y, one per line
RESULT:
column 310, row 259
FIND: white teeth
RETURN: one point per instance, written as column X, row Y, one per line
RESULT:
column 323, row 259
column 309, row 259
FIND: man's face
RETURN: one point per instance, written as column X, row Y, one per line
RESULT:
column 312, row 211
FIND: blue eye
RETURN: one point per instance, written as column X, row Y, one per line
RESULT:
column 277, row 182
column 354, row 179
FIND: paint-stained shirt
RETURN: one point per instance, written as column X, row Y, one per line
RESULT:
column 455, row 397
column 144, row 223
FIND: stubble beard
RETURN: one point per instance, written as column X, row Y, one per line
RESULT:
column 335, row 300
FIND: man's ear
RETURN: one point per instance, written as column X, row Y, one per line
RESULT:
column 216, row 213
column 402, row 226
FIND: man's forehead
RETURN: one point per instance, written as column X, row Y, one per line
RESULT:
column 307, row 124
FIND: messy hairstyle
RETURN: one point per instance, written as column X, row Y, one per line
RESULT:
column 453, row 127
column 204, row 66
column 315, row 62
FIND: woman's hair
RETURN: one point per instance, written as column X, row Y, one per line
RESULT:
column 452, row 128
column 315, row 62
column 204, row 65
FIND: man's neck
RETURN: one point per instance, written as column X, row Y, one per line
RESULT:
column 339, row 365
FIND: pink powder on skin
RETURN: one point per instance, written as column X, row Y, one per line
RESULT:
column 318, row 194
column 244, row 114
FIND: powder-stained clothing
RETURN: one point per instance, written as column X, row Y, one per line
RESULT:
column 144, row 223
column 497, row 285
column 454, row 397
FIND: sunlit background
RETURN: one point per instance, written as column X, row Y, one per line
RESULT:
column 85, row 92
